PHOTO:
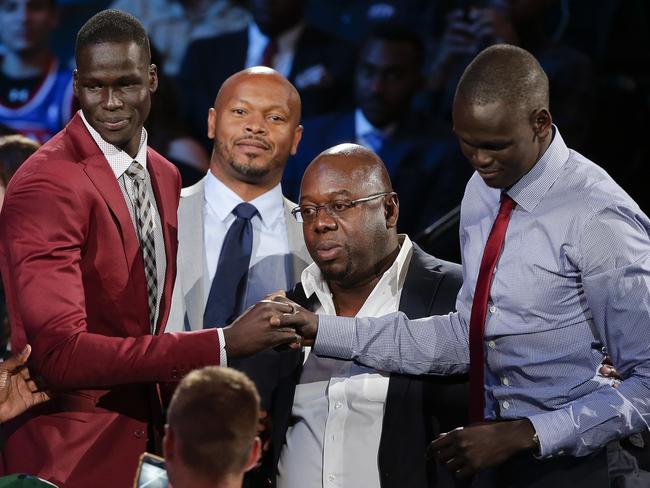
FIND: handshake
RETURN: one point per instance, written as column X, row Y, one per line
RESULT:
column 273, row 322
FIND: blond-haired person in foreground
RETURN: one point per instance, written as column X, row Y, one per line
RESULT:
column 211, row 438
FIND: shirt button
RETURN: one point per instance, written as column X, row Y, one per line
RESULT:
column 505, row 405
column 491, row 344
column 338, row 405
column 506, row 381
column 493, row 309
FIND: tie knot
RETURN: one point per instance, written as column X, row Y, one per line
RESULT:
column 135, row 171
column 507, row 204
column 245, row 211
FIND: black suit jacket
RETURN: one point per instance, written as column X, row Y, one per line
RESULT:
column 209, row 62
column 417, row 408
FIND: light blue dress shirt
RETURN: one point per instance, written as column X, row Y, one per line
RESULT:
column 270, row 267
column 574, row 272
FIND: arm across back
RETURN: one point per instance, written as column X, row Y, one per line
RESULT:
column 614, row 256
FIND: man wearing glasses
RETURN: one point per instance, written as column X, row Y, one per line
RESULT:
column 352, row 425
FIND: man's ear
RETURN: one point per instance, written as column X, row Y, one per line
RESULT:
column 168, row 444
column 255, row 454
column 153, row 78
column 212, row 123
column 75, row 83
column 541, row 121
column 391, row 209
column 297, row 135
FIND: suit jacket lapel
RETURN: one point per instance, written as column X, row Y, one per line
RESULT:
column 162, row 196
column 191, row 270
column 102, row 177
column 300, row 258
column 420, row 288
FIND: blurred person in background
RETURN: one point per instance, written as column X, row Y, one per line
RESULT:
column 173, row 24
column 318, row 64
column 423, row 160
column 35, row 89
column 14, row 150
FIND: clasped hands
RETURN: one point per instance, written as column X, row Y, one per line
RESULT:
column 272, row 322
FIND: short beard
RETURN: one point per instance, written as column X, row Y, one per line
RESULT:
column 248, row 170
column 341, row 276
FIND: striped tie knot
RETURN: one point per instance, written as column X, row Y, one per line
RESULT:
column 245, row 211
column 135, row 171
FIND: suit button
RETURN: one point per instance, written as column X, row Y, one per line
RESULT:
column 139, row 434
column 174, row 373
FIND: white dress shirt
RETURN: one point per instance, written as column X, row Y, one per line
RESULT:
column 119, row 162
column 283, row 59
column 339, row 405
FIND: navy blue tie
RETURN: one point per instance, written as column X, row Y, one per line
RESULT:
column 229, row 282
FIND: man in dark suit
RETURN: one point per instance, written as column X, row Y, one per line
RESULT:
column 423, row 161
column 319, row 65
column 88, row 238
column 343, row 422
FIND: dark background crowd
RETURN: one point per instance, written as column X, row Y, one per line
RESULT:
column 380, row 73
column 592, row 50
column 396, row 63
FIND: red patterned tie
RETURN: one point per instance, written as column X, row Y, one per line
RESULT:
column 269, row 53
column 491, row 253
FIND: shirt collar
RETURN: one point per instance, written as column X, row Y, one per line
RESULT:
column 532, row 187
column 286, row 41
column 312, row 279
column 222, row 200
column 363, row 126
column 118, row 160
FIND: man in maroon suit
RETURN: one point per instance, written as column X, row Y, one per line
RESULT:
column 87, row 254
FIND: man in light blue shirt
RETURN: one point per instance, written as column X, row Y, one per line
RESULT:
column 573, row 274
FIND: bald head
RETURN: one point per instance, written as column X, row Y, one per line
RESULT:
column 505, row 74
column 359, row 167
column 352, row 243
column 262, row 74
column 255, row 124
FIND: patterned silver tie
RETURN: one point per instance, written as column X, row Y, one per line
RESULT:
column 145, row 223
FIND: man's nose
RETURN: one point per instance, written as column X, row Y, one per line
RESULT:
column 481, row 158
column 323, row 221
column 256, row 124
column 112, row 101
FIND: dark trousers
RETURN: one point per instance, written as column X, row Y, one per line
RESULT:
column 524, row 471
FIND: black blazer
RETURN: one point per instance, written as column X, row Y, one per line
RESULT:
column 209, row 62
column 417, row 408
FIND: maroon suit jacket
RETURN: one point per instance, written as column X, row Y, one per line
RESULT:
column 75, row 287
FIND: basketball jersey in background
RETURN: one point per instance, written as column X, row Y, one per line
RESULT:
column 39, row 111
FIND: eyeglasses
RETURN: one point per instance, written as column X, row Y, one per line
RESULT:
column 335, row 208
